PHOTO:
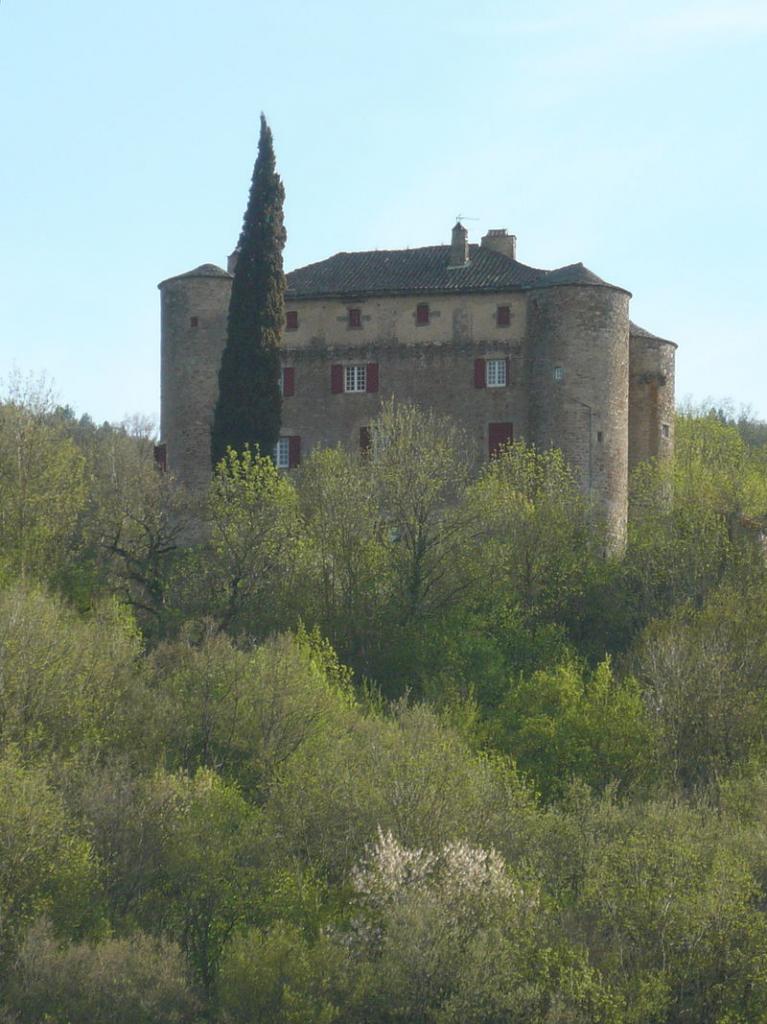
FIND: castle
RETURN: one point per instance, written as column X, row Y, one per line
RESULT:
column 505, row 350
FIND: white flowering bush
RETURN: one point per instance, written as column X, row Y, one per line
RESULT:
column 456, row 935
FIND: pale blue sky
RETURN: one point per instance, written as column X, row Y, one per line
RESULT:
column 629, row 136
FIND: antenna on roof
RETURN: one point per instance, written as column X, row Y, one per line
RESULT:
column 460, row 217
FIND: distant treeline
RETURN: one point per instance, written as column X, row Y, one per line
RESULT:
column 386, row 740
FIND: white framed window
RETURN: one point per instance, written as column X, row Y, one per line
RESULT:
column 559, row 373
column 282, row 453
column 495, row 373
column 356, row 378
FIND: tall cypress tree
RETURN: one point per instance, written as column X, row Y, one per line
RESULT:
column 249, row 400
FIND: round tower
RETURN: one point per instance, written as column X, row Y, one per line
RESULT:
column 193, row 332
column 579, row 385
column 651, row 396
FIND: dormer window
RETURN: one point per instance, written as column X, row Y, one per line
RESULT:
column 422, row 313
column 291, row 319
column 355, row 317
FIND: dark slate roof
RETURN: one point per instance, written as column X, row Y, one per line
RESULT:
column 574, row 273
column 426, row 270
column 204, row 270
column 639, row 332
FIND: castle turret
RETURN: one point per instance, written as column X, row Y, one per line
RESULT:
column 194, row 311
column 579, row 374
column 651, row 396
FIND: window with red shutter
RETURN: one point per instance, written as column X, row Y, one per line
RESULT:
column 288, row 381
column 503, row 316
column 291, row 319
column 294, row 452
column 194, row 321
column 372, row 377
column 355, row 318
column 422, row 313
column 337, row 379
column 498, row 434
column 479, row 373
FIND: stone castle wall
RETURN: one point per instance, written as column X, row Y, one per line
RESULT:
column 575, row 380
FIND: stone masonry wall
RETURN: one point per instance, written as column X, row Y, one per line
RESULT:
column 194, row 313
column 578, row 350
column 651, row 399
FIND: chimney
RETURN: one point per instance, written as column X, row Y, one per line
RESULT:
column 459, row 246
column 499, row 240
column 231, row 262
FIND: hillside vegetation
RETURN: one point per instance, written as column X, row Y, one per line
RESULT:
column 383, row 741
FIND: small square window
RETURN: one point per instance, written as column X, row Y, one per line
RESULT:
column 422, row 313
column 355, row 318
column 291, row 319
column 356, row 378
column 194, row 321
column 282, row 453
column 665, row 430
column 503, row 316
column 559, row 373
column 495, row 373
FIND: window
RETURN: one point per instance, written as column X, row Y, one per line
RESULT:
column 353, row 379
column 356, row 378
column 287, row 452
column 491, row 373
column 194, row 321
column 422, row 313
column 282, row 453
column 600, row 437
column 365, row 441
column 665, row 430
column 287, row 381
column 503, row 316
column 291, row 318
column 559, row 373
column 495, row 373
column 355, row 319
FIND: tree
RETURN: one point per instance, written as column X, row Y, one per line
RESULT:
column 41, row 489
column 241, row 577
column 249, row 402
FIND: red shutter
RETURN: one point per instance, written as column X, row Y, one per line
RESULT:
column 498, row 434
column 364, row 440
column 479, row 373
column 294, row 452
column 372, row 377
column 337, row 378
column 288, row 382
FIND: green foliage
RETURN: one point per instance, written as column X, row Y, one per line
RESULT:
column 243, row 574
column 704, row 673
column 565, row 723
column 45, row 866
column 69, row 687
column 278, row 976
column 42, row 491
column 136, row 980
column 561, row 818
column 246, row 713
column 249, row 402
